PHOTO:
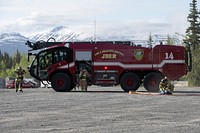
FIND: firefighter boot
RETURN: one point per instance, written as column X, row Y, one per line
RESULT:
column 84, row 85
column 20, row 89
column 16, row 87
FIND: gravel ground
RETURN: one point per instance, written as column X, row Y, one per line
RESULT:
column 101, row 109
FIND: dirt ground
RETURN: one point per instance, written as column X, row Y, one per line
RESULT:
column 101, row 109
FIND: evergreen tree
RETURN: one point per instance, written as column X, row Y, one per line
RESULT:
column 6, row 59
column 193, row 41
column 18, row 57
column 150, row 41
column 9, row 65
column 2, row 66
column 169, row 40
column 2, row 69
column 193, row 31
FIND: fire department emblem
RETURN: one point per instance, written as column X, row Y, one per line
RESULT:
column 138, row 54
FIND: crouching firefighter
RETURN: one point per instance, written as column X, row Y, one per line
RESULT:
column 83, row 79
column 19, row 78
column 166, row 87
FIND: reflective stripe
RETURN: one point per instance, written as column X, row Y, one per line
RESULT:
column 139, row 65
column 66, row 66
column 130, row 65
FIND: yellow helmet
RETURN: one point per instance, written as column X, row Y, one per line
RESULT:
column 164, row 80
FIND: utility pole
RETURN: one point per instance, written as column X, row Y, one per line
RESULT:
column 95, row 30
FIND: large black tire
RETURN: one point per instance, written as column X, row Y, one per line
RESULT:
column 61, row 82
column 129, row 82
column 152, row 81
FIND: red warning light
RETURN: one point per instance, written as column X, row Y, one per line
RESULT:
column 105, row 67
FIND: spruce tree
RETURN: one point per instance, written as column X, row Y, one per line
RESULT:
column 193, row 31
column 18, row 57
column 150, row 41
column 193, row 42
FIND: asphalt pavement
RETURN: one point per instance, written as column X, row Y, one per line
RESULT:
column 100, row 110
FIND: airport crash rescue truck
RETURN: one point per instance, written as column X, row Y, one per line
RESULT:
column 109, row 63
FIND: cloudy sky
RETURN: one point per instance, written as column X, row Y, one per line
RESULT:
column 112, row 17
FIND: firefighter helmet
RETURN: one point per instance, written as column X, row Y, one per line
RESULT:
column 164, row 80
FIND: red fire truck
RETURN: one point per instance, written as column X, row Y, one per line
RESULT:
column 117, row 63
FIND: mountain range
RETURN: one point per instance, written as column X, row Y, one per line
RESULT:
column 11, row 42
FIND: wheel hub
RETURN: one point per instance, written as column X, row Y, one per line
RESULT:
column 129, row 82
column 60, row 82
column 153, row 82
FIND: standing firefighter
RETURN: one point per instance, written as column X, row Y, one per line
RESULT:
column 83, row 79
column 19, row 79
column 166, row 87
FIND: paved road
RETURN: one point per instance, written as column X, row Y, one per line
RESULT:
column 101, row 109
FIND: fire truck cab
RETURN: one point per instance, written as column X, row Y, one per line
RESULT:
column 114, row 63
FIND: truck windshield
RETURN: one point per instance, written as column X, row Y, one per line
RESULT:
column 47, row 58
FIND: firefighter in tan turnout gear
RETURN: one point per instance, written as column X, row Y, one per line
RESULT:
column 19, row 78
column 83, row 79
column 166, row 87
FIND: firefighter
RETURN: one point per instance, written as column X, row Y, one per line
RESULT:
column 166, row 87
column 83, row 79
column 48, row 61
column 19, row 78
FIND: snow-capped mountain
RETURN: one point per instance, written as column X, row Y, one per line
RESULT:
column 12, row 37
column 10, row 42
column 60, row 33
column 64, row 34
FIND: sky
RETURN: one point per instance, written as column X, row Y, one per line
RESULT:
column 104, row 17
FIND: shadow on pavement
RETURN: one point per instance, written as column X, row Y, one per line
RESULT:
column 74, row 91
column 196, row 92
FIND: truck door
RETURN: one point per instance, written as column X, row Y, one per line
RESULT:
column 83, row 61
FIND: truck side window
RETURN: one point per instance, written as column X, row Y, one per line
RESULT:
column 60, row 55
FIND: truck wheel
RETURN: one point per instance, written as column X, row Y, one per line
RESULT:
column 129, row 81
column 152, row 81
column 61, row 82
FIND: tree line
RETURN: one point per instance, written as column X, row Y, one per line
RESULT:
column 192, row 41
column 8, row 64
